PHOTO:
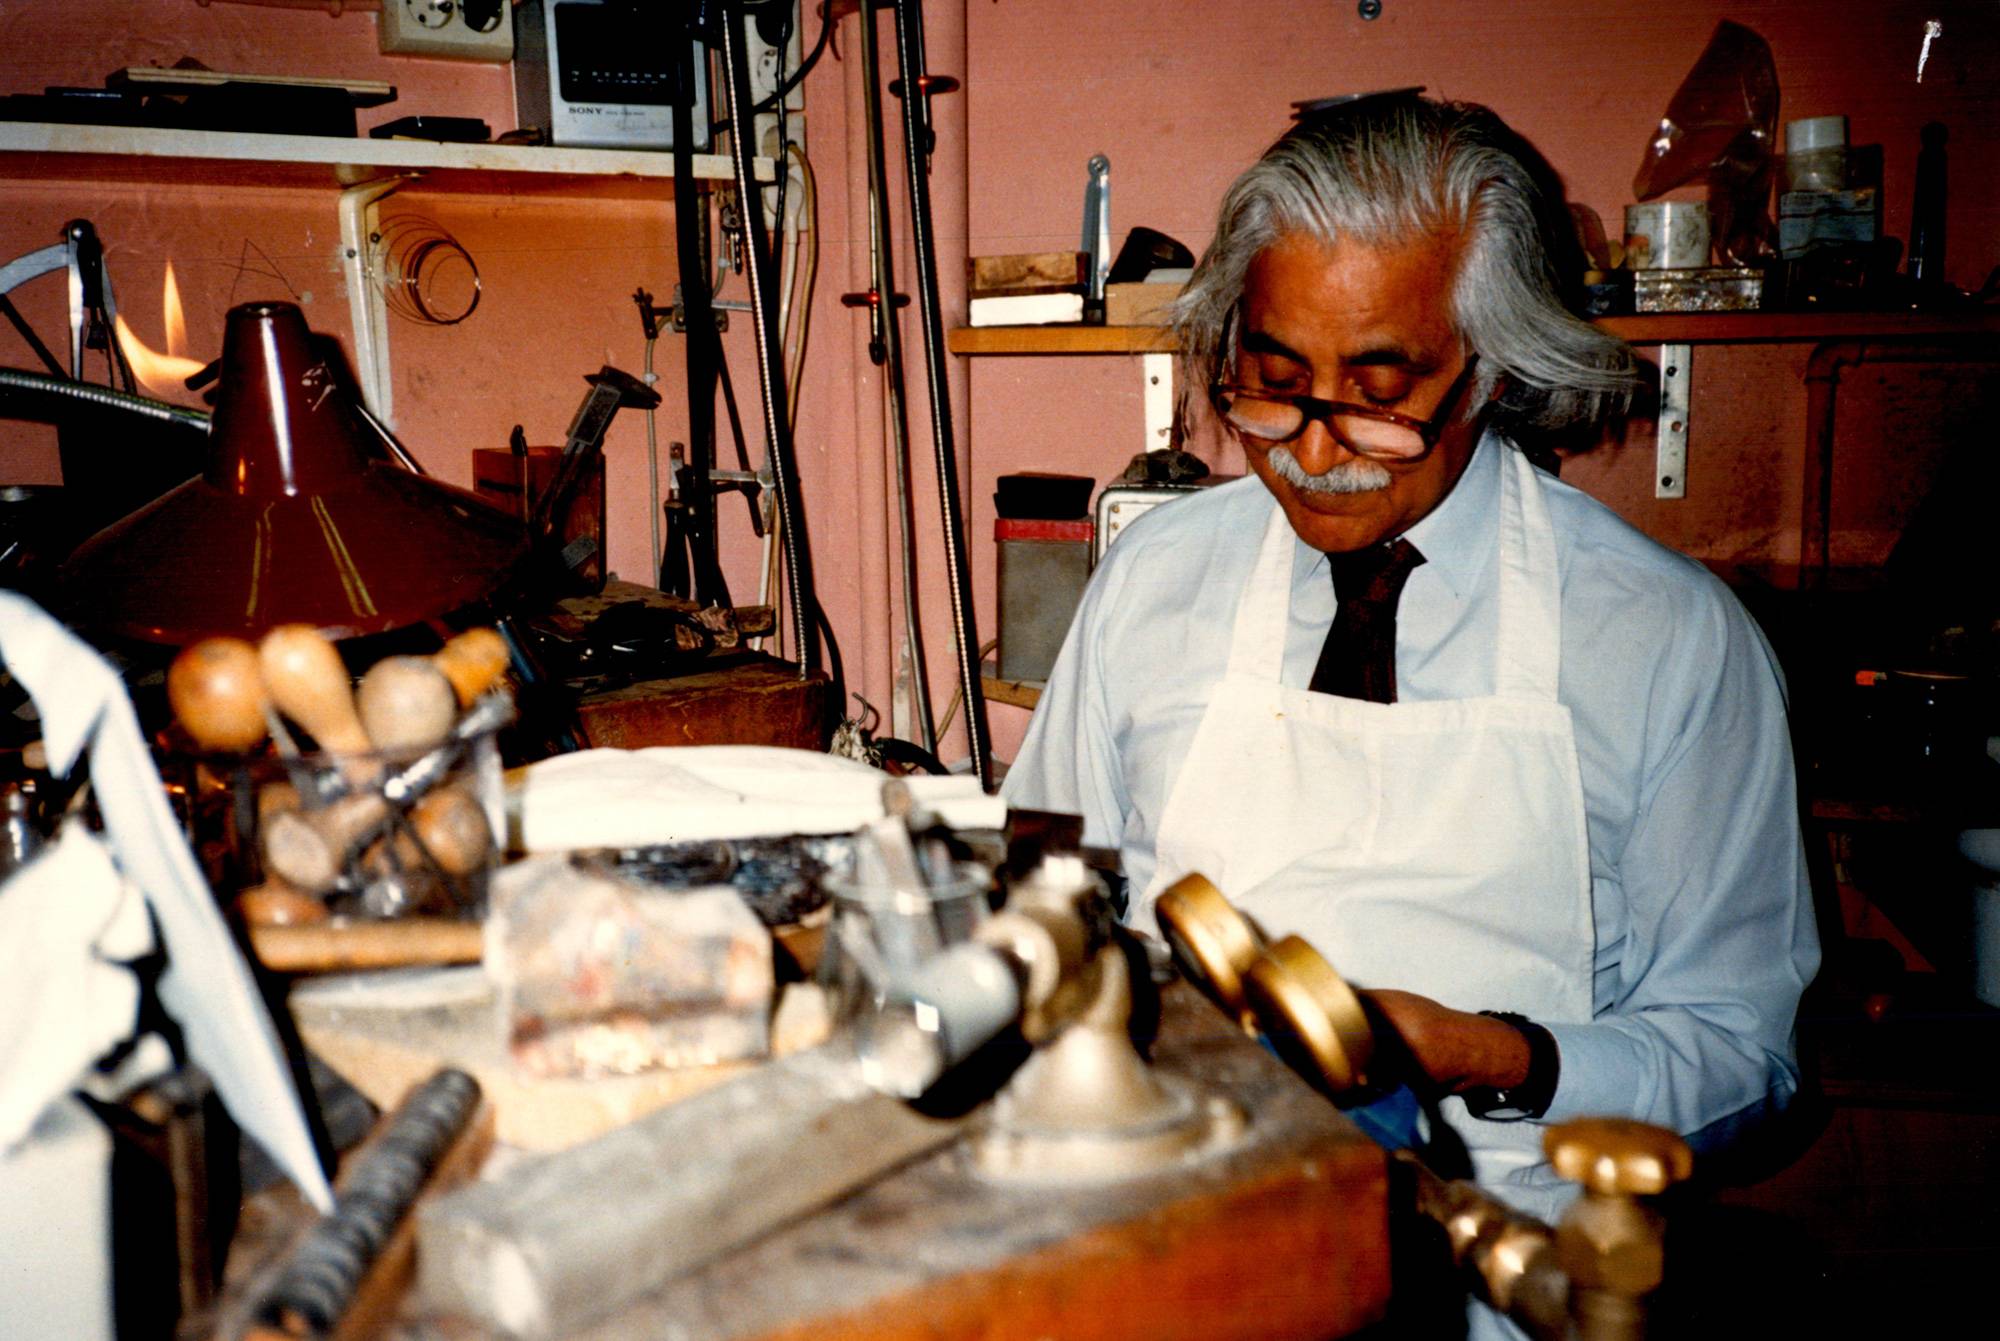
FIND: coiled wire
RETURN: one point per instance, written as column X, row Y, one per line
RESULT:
column 427, row 275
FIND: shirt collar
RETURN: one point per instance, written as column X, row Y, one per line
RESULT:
column 1455, row 537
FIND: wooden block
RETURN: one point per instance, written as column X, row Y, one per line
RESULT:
column 763, row 702
column 388, row 1043
column 1027, row 272
column 1139, row 304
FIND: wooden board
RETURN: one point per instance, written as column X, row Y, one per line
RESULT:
column 383, row 1049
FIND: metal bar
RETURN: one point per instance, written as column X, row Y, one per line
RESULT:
column 1157, row 370
column 1670, row 445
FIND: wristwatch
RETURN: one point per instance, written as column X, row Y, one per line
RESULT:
column 1530, row 1098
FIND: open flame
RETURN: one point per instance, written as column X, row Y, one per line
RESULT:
column 161, row 374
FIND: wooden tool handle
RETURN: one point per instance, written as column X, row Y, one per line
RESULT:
column 473, row 661
column 452, row 826
column 309, row 848
column 217, row 693
column 406, row 705
column 340, row 947
column 307, row 681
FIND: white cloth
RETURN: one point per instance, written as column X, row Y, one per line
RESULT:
column 1392, row 878
column 207, row 987
column 1703, row 923
column 690, row 793
column 68, row 924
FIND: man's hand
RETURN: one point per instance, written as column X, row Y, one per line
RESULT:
column 1457, row 1050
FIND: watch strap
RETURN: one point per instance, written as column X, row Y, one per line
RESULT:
column 1532, row 1097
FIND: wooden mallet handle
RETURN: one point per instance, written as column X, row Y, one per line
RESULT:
column 308, row 682
column 407, row 705
column 217, row 693
column 473, row 661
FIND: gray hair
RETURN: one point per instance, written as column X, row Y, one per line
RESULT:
column 1386, row 169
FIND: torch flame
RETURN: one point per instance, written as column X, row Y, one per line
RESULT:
column 170, row 308
column 161, row 374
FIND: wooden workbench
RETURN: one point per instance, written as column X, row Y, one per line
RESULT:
column 1284, row 1237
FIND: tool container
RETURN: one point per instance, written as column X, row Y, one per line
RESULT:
column 1043, row 568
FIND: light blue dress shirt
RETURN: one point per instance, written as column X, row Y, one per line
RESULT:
column 1704, row 919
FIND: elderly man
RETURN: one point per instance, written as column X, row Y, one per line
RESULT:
column 1509, row 764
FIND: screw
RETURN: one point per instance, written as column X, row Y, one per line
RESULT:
column 1369, row 9
column 1666, row 481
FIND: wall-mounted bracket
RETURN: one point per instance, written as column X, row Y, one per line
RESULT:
column 1670, row 453
column 367, row 309
column 1157, row 371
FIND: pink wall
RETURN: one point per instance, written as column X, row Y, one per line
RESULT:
column 1181, row 95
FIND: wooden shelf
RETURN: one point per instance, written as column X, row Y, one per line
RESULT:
column 1061, row 340
column 1663, row 328
column 143, row 154
column 1018, row 693
column 1692, row 328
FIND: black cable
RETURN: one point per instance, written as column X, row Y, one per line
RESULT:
column 835, row 669
column 797, row 76
column 742, row 449
column 882, row 278
column 923, row 244
column 49, row 360
column 771, row 363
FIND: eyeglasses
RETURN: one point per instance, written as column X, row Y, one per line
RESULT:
column 1363, row 429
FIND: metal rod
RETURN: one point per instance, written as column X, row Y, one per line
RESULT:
column 770, row 357
column 916, row 158
column 882, row 278
column 704, row 354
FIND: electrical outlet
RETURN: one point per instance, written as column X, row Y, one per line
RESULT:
column 459, row 30
column 766, row 60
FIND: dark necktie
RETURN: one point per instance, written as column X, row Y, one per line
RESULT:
column 1358, row 659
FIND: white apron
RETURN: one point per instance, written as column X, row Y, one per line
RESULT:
column 1435, row 847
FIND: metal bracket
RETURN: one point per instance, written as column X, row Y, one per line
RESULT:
column 719, row 310
column 367, row 309
column 1158, row 372
column 1670, row 452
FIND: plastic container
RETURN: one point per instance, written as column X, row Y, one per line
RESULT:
column 1816, row 154
column 1666, row 235
column 879, row 937
column 1044, row 567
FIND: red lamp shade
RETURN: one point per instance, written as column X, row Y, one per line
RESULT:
column 297, row 519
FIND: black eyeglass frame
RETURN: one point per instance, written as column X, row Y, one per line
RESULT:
column 1312, row 409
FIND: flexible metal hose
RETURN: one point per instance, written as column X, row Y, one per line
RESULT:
column 770, row 358
column 63, row 388
column 916, row 151
column 883, row 279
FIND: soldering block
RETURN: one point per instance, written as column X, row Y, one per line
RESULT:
column 599, row 976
